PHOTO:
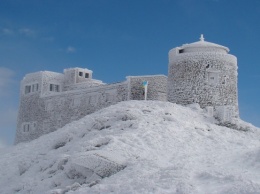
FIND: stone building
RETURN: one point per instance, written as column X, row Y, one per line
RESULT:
column 204, row 73
column 200, row 72
column 50, row 100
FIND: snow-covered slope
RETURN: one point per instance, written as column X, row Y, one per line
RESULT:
column 137, row 147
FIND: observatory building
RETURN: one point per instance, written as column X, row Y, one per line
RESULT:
column 200, row 72
column 203, row 72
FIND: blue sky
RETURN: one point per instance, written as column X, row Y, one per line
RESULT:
column 117, row 38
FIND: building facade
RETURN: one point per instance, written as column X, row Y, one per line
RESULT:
column 50, row 100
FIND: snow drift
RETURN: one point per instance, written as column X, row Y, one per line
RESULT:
column 137, row 147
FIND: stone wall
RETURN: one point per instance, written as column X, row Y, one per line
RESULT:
column 208, row 78
column 157, row 87
column 45, row 111
column 45, row 114
column 51, row 78
column 71, row 75
column 84, row 85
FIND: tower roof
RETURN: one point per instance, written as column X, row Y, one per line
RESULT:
column 204, row 44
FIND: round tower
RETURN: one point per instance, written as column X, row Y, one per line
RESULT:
column 203, row 72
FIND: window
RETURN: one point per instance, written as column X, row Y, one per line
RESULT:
column 27, row 89
column 54, row 88
column 181, row 50
column 80, row 74
column 86, row 75
column 29, row 126
column 31, row 88
column 35, row 87
column 26, row 127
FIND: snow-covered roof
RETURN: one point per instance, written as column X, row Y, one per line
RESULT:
column 204, row 44
column 136, row 76
column 78, row 68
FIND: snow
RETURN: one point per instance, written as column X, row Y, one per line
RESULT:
column 137, row 147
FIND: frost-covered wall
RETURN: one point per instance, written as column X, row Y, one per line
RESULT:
column 206, row 74
column 56, row 101
column 157, row 87
column 52, row 112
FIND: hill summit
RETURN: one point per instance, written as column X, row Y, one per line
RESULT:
column 137, row 147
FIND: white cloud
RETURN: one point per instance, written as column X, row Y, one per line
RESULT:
column 71, row 49
column 22, row 31
column 7, row 31
column 26, row 31
column 6, row 80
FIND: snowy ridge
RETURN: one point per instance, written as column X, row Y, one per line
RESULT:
column 137, row 147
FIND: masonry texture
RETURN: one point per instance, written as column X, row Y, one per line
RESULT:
column 50, row 100
column 200, row 72
column 204, row 73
